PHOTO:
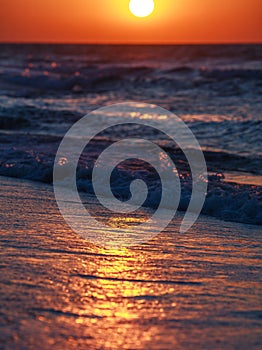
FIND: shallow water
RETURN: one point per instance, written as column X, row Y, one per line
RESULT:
column 200, row 290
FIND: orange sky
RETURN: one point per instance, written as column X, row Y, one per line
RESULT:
column 109, row 21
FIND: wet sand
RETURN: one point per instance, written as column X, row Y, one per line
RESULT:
column 200, row 290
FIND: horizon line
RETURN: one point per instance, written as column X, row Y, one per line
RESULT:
column 129, row 43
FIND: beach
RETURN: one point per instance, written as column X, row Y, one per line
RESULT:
column 200, row 290
column 196, row 290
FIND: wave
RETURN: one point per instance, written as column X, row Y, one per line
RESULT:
column 226, row 201
column 24, row 116
column 116, row 77
column 213, row 131
column 46, row 88
column 229, row 74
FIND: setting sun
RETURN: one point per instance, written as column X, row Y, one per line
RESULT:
column 131, row 21
column 141, row 8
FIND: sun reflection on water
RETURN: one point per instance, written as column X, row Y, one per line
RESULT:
column 176, row 291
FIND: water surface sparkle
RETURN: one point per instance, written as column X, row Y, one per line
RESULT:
column 193, row 291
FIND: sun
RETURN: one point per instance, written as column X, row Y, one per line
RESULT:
column 141, row 8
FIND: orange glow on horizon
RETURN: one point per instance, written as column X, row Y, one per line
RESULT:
column 110, row 21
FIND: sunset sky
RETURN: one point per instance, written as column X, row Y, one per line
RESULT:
column 110, row 21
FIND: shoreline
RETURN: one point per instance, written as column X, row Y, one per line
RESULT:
column 226, row 179
column 59, row 290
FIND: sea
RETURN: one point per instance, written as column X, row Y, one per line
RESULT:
column 192, row 291
column 215, row 89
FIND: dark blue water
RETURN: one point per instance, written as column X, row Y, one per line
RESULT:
column 215, row 89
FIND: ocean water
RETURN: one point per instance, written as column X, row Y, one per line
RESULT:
column 215, row 89
column 199, row 290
